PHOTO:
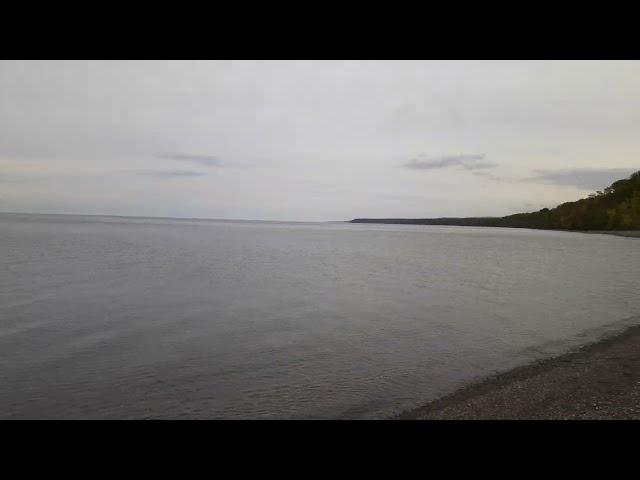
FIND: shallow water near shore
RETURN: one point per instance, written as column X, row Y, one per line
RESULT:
column 113, row 317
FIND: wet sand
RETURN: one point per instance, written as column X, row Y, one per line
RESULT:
column 599, row 381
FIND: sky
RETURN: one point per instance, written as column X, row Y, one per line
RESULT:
column 313, row 140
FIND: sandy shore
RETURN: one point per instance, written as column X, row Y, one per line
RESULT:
column 599, row 381
column 619, row 233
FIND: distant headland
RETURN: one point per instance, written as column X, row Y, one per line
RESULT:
column 615, row 208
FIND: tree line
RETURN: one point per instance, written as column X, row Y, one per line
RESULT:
column 617, row 207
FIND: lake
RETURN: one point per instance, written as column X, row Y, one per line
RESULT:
column 114, row 317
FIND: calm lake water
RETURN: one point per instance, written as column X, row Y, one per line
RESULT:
column 108, row 317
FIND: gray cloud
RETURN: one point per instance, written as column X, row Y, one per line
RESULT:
column 581, row 177
column 467, row 162
column 206, row 160
column 166, row 173
column 242, row 137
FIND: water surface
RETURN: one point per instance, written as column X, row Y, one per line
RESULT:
column 112, row 317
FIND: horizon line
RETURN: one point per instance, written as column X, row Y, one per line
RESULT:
column 172, row 218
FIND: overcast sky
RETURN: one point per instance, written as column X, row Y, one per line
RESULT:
column 313, row 140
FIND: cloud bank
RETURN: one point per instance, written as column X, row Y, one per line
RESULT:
column 467, row 162
column 242, row 139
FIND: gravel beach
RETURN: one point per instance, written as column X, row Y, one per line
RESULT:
column 618, row 233
column 599, row 381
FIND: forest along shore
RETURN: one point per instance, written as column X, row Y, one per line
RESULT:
column 599, row 381
column 616, row 208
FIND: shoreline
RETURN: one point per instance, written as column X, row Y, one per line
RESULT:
column 600, row 380
column 617, row 233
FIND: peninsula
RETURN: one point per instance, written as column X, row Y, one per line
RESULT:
column 616, row 208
